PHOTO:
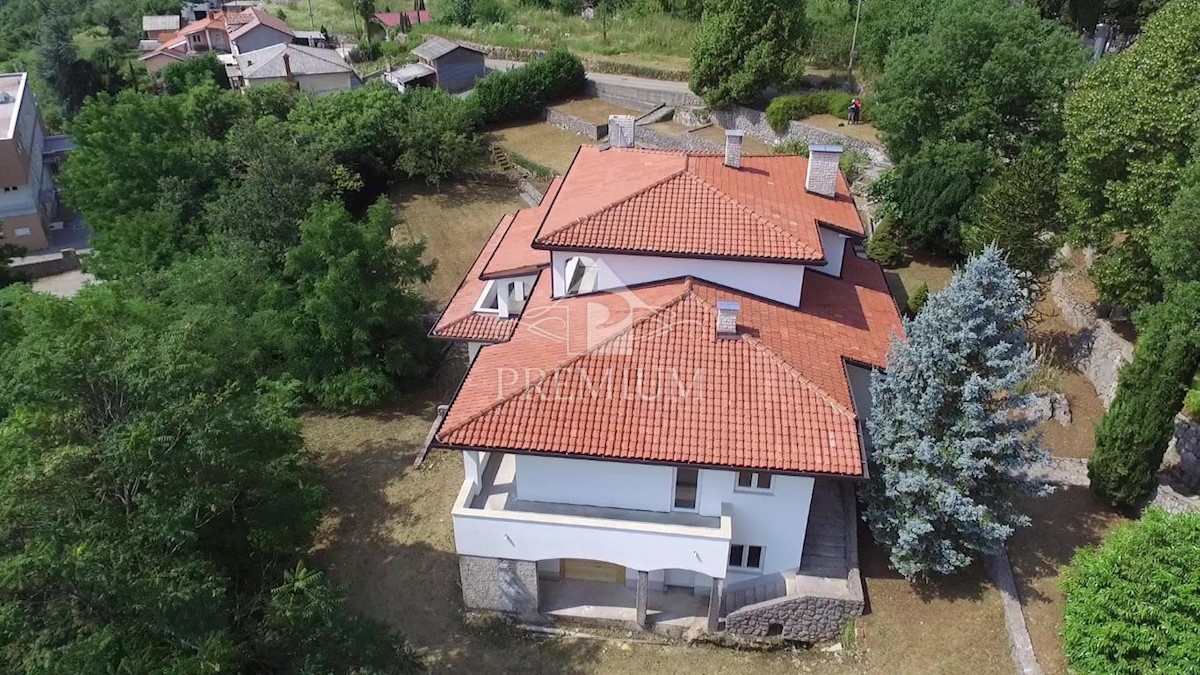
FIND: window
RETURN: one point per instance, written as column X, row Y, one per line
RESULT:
column 745, row 557
column 687, row 488
column 581, row 275
column 754, row 480
column 514, row 293
column 22, row 231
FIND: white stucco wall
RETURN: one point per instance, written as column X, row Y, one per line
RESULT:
column 318, row 85
column 775, row 281
column 776, row 519
column 835, row 247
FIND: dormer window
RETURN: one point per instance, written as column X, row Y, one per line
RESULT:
column 581, row 275
column 505, row 298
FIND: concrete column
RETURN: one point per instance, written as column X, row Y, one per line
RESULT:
column 643, row 582
column 715, row 599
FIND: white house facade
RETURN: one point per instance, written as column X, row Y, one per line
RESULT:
column 661, row 422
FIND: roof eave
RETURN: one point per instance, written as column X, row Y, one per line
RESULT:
column 813, row 262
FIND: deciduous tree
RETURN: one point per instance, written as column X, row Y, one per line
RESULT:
column 744, row 46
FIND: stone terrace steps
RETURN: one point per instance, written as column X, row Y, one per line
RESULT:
column 825, row 540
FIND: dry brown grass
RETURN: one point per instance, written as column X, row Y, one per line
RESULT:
column 592, row 109
column 922, row 269
column 1063, row 522
column 543, row 143
column 455, row 221
column 863, row 132
column 750, row 145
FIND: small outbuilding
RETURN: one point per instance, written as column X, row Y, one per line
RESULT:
column 455, row 67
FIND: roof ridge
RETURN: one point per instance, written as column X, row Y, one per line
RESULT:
column 623, row 200
column 687, row 291
column 770, row 224
column 774, row 356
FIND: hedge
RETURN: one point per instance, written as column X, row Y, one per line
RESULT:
column 785, row 109
column 522, row 92
column 1133, row 603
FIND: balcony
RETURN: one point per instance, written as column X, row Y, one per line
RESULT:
column 490, row 521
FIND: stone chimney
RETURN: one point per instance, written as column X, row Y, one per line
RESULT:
column 733, row 148
column 823, row 169
column 621, row 131
column 727, row 316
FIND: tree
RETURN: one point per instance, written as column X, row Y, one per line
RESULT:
column 1132, row 602
column 155, row 498
column 1133, row 435
column 887, row 244
column 358, row 321
column 946, row 443
column 523, row 92
column 1175, row 244
column 985, row 71
column 182, row 76
column 1018, row 212
column 885, row 24
column 275, row 180
column 744, row 46
column 1130, row 128
column 56, row 52
column 934, row 192
column 1125, row 276
column 7, row 253
column 439, row 136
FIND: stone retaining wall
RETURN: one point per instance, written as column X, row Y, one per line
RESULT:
column 642, row 97
column 499, row 584
column 1097, row 350
column 653, row 139
column 1185, row 451
column 575, row 124
column 803, row 618
column 755, row 123
column 49, row 265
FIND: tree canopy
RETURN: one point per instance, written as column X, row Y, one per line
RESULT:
column 743, row 46
column 946, row 444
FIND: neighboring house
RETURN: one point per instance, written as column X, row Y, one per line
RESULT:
column 455, row 67
column 310, row 69
column 160, row 27
column 223, row 33
column 391, row 20
column 28, row 200
column 662, row 420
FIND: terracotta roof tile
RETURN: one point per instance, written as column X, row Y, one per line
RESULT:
column 459, row 321
column 678, row 204
column 515, row 254
column 640, row 375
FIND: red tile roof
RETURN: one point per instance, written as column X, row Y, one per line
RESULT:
column 670, row 203
column 639, row 375
column 515, row 254
column 459, row 321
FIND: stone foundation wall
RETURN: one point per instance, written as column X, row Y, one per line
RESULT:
column 804, row 619
column 499, row 584
column 575, row 124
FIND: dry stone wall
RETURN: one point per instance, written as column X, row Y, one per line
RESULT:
column 1096, row 350
column 1185, row 452
column 754, row 122
column 804, row 618
column 575, row 124
column 499, row 584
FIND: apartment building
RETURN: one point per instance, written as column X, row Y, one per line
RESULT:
column 27, row 196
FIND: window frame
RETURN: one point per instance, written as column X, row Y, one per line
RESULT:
column 744, row 558
column 489, row 290
column 675, row 490
column 755, row 486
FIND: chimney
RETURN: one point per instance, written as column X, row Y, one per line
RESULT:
column 621, row 131
column 727, row 315
column 287, row 66
column 733, row 148
column 823, row 169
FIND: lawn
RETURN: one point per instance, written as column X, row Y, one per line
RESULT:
column 1062, row 523
column 921, row 269
column 455, row 221
column 592, row 109
column 540, row 142
column 863, row 132
column 388, row 537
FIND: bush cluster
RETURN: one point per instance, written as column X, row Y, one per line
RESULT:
column 521, row 93
column 1132, row 602
column 784, row 109
column 887, row 245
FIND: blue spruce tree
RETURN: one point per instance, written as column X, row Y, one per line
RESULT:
column 948, row 444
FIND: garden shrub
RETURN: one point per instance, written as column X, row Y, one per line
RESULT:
column 918, row 299
column 521, row 93
column 1132, row 602
column 365, row 50
column 792, row 148
column 1191, row 402
column 887, row 246
column 784, row 109
column 488, row 12
column 1132, row 436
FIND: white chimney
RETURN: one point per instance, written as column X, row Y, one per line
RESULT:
column 621, row 131
column 733, row 148
column 823, row 169
column 727, row 316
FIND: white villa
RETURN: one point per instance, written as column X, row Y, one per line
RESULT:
column 662, row 419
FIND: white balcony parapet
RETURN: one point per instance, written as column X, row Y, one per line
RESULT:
column 490, row 522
